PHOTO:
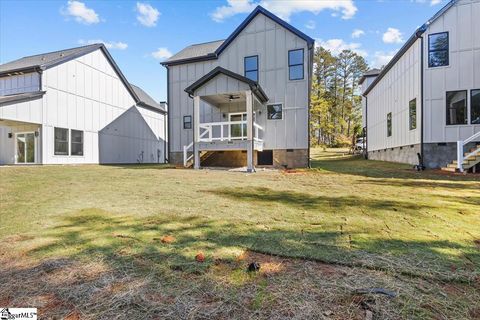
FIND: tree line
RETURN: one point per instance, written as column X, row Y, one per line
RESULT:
column 335, row 110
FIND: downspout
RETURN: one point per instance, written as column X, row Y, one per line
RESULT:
column 366, row 127
column 310, row 73
column 422, row 102
column 167, row 158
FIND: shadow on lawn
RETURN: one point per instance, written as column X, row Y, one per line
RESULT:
column 135, row 241
column 306, row 201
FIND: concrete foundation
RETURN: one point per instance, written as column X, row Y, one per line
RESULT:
column 436, row 155
column 289, row 158
column 404, row 154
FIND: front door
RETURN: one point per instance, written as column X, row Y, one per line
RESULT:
column 237, row 130
column 25, row 147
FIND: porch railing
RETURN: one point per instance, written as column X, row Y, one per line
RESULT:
column 222, row 131
column 460, row 150
column 224, row 134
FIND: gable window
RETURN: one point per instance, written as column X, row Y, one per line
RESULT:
column 187, row 122
column 274, row 111
column 438, row 50
column 457, row 107
column 295, row 64
column 251, row 68
column 412, row 114
column 475, row 106
column 389, row 124
column 76, row 144
column 61, row 141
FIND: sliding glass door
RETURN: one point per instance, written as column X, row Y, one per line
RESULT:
column 25, row 147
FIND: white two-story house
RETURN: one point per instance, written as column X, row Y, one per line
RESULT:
column 243, row 101
column 75, row 106
column 423, row 107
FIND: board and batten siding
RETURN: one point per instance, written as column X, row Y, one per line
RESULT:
column 271, row 42
column 393, row 92
column 462, row 23
column 87, row 94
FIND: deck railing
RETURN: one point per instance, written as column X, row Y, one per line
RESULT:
column 460, row 150
column 222, row 131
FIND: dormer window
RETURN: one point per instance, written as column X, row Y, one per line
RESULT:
column 251, row 68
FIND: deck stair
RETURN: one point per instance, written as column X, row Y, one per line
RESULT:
column 466, row 161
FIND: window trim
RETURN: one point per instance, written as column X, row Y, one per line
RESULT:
column 470, row 114
column 245, row 67
column 410, row 115
column 438, row 50
column 184, row 122
column 55, row 152
column 466, row 109
column 277, row 103
column 390, row 131
column 83, row 143
column 298, row 64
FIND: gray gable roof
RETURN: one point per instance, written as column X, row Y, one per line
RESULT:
column 200, row 50
column 46, row 60
column 211, row 50
column 370, row 73
column 254, row 86
column 147, row 100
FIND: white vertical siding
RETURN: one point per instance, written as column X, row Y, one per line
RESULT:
column 463, row 72
column 271, row 42
column 393, row 92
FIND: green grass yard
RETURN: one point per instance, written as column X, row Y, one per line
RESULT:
column 369, row 223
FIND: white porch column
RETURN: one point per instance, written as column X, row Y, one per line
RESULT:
column 196, row 131
column 249, row 105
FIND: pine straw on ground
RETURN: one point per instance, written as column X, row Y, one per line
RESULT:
column 283, row 288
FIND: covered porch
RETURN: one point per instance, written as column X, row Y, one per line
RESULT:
column 19, row 142
column 226, row 117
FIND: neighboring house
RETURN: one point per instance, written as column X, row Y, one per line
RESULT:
column 243, row 100
column 75, row 106
column 426, row 100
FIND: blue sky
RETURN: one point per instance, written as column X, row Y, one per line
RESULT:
column 140, row 34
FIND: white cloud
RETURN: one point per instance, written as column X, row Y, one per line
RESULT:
column 335, row 46
column 81, row 12
column 432, row 2
column 357, row 33
column 381, row 58
column 147, row 15
column 284, row 9
column 310, row 24
column 393, row 35
column 110, row 45
column 162, row 54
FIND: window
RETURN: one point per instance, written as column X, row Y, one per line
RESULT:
column 295, row 64
column 187, row 122
column 389, row 124
column 412, row 114
column 76, row 144
column 475, row 106
column 251, row 67
column 274, row 111
column 61, row 141
column 457, row 107
column 438, row 50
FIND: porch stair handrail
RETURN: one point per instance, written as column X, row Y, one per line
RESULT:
column 460, row 153
column 186, row 148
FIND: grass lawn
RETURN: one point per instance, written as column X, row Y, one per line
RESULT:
column 91, row 241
